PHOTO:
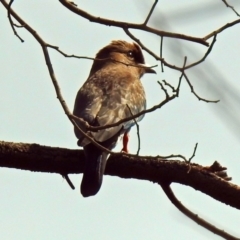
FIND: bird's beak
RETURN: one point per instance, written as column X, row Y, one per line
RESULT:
column 147, row 68
column 150, row 70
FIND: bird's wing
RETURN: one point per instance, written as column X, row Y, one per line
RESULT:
column 117, row 106
column 87, row 105
column 107, row 102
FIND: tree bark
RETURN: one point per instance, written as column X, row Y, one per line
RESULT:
column 37, row 158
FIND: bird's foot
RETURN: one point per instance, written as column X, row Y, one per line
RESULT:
column 125, row 143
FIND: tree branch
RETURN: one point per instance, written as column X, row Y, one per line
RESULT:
column 227, row 5
column 34, row 157
column 150, row 12
column 168, row 191
column 143, row 27
column 221, row 29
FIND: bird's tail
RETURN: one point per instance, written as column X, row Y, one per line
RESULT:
column 94, row 169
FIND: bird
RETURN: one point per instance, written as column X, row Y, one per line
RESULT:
column 112, row 92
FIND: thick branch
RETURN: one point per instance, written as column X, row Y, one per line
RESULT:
column 34, row 157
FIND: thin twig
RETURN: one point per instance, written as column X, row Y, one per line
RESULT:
column 138, row 131
column 180, row 78
column 150, row 13
column 168, row 191
column 192, row 90
column 225, row 2
column 11, row 22
column 193, row 155
column 162, row 87
column 68, row 181
column 184, row 63
column 169, row 85
column 205, row 55
column 173, row 156
column 161, row 51
column 179, row 84
column 71, row 55
column 221, row 29
column 189, row 160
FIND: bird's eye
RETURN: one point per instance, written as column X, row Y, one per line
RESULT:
column 130, row 54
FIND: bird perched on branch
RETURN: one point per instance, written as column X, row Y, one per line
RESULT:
column 112, row 92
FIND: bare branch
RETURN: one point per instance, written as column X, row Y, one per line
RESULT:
column 34, row 157
column 161, row 50
column 127, row 25
column 165, row 91
column 168, row 191
column 169, row 85
column 70, row 55
column 192, row 90
column 181, row 156
column 193, row 155
column 221, row 29
column 176, row 156
column 179, row 84
column 150, row 12
column 227, row 5
column 68, row 181
column 206, row 54
column 13, row 25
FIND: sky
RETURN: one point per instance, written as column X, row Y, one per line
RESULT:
column 42, row 206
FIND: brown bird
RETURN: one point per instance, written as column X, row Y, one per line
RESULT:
column 112, row 92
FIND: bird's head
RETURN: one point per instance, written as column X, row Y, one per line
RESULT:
column 124, row 53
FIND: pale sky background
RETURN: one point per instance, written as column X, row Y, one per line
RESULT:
column 42, row 206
